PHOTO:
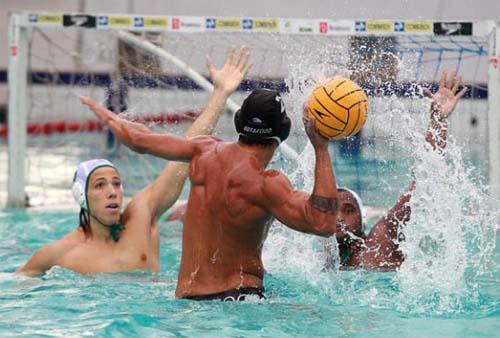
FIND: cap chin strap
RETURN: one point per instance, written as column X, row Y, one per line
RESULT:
column 114, row 229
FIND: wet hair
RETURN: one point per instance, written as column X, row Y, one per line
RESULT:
column 255, row 141
column 85, row 222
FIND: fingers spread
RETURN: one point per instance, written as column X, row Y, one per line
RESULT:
column 451, row 80
column 462, row 92
column 229, row 58
column 210, row 65
column 457, row 83
column 427, row 92
column 88, row 101
column 247, row 67
column 242, row 57
column 442, row 79
column 84, row 99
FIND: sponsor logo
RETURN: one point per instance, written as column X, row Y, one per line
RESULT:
column 176, row 23
column 256, row 120
column 417, row 26
column 323, row 27
column 156, row 22
column 379, row 26
column 79, row 20
column 399, row 26
column 120, row 21
column 360, row 26
column 138, row 21
column 33, row 18
column 265, row 24
column 185, row 24
column 228, row 24
column 50, row 19
column 339, row 27
column 247, row 24
column 305, row 26
column 299, row 26
column 257, row 130
column 210, row 23
column 102, row 20
column 192, row 24
column 453, row 28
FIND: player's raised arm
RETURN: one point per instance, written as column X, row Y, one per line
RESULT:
column 167, row 187
column 139, row 138
column 315, row 213
column 443, row 104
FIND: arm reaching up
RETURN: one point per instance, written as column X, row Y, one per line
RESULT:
column 315, row 213
column 226, row 81
column 382, row 248
column 443, row 102
column 167, row 187
column 139, row 138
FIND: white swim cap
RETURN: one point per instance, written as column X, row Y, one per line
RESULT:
column 80, row 181
column 359, row 202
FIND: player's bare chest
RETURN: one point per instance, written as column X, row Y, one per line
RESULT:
column 95, row 259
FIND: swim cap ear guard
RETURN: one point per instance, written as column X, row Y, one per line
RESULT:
column 79, row 193
column 263, row 116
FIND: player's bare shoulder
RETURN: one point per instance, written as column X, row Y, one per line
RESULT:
column 51, row 254
column 275, row 179
column 204, row 143
column 70, row 241
column 275, row 185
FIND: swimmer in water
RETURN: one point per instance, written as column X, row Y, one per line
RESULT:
column 234, row 198
column 379, row 250
column 109, row 240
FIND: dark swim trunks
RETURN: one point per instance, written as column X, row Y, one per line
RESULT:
column 236, row 295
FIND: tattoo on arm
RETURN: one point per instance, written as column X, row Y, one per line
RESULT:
column 328, row 205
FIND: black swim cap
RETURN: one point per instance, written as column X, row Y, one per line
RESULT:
column 263, row 116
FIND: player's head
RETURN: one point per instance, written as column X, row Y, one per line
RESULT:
column 351, row 217
column 262, row 118
column 97, row 189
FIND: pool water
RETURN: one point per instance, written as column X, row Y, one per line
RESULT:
column 302, row 300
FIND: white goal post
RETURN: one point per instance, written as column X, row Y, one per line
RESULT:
column 494, row 110
column 20, row 25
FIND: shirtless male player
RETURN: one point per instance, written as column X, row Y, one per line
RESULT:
column 233, row 198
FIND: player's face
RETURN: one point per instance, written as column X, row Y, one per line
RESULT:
column 105, row 195
column 348, row 217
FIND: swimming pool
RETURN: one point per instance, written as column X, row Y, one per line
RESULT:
column 447, row 287
column 301, row 299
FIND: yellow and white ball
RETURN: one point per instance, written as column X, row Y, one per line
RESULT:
column 339, row 106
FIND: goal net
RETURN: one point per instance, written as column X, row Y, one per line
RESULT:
column 120, row 61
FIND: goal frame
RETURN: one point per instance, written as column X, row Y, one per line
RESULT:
column 20, row 23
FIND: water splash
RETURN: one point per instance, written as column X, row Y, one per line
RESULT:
column 451, row 238
column 446, row 245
